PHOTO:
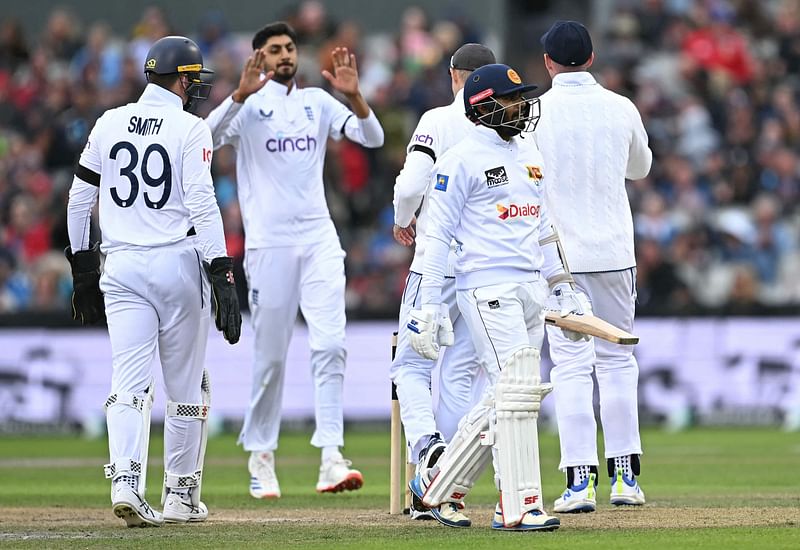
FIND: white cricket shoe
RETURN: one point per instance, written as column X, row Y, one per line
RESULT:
column 449, row 514
column 625, row 491
column 263, row 481
column 128, row 505
column 179, row 509
column 428, row 458
column 535, row 520
column 578, row 498
column 336, row 475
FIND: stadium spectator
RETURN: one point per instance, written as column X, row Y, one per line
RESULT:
column 715, row 81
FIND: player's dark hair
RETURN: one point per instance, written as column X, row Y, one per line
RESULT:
column 278, row 28
column 164, row 80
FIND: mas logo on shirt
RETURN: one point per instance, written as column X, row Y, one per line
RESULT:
column 441, row 182
column 517, row 211
column 534, row 173
column 496, row 177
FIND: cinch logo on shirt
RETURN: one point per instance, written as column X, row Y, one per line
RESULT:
column 425, row 139
column 441, row 182
column 518, row 211
column 290, row 144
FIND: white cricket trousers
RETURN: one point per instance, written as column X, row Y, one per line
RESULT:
column 613, row 297
column 157, row 305
column 412, row 374
column 502, row 319
column 280, row 279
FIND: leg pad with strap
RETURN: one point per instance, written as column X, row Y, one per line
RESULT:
column 518, row 395
column 463, row 461
column 126, row 465
column 198, row 411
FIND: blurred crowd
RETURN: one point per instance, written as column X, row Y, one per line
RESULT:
column 716, row 82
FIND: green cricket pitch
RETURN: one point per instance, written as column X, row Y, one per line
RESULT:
column 723, row 488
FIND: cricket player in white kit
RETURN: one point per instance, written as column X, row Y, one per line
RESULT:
column 293, row 255
column 592, row 140
column 488, row 197
column 149, row 163
column 437, row 131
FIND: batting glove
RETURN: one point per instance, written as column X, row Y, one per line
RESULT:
column 227, row 316
column 424, row 327
column 566, row 300
column 445, row 334
column 87, row 300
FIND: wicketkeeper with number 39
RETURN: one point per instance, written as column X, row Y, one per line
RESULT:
column 488, row 197
column 149, row 164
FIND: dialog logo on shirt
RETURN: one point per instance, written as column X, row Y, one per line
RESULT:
column 496, row 177
column 441, row 182
column 534, row 173
column 518, row 211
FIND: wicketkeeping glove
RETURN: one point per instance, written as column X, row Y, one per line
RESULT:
column 227, row 316
column 429, row 330
column 566, row 300
column 87, row 300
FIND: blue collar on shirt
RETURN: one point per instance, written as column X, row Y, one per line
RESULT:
column 156, row 95
column 580, row 78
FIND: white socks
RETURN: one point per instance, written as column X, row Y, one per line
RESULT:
column 331, row 453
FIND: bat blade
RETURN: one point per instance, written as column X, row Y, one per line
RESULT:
column 593, row 326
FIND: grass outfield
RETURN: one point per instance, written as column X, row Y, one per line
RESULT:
column 705, row 489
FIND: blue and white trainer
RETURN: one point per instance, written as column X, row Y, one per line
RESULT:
column 625, row 491
column 263, row 481
column 581, row 498
column 448, row 513
column 535, row 520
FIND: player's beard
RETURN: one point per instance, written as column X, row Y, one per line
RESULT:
column 284, row 73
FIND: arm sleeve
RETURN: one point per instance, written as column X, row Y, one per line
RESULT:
column 413, row 181
column 640, row 157
column 82, row 197
column 364, row 131
column 198, row 192
column 447, row 200
column 410, row 186
column 225, row 123
column 553, row 263
column 84, row 191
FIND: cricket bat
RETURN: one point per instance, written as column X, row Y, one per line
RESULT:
column 591, row 325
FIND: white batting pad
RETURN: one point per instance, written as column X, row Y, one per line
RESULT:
column 518, row 394
column 463, row 461
column 143, row 404
column 197, row 411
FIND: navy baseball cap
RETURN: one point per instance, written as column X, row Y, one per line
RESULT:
column 471, row 56
column 495, row 80
column 568, row 43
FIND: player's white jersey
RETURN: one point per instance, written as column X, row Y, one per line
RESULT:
column 280, row 137
column 487, row 195
column 153, row 161
column 437, row 131
column 586, row 193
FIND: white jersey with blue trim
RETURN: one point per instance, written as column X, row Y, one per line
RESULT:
column 280, row 135
column 149, row 162
column 487, row 195
column 438, row 130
